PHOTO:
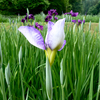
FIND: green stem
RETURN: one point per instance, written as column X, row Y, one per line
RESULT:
column 62, row 92
column 10, row 96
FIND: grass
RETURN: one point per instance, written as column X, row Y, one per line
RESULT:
column 81, row 64
column 94, row 26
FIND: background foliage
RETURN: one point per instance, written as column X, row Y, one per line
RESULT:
column 15, row 7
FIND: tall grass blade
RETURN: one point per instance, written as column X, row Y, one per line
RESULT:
column 91, row 86
column 21, row 75
column 2, row 76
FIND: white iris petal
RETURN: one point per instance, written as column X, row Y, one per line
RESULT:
column 56, row 36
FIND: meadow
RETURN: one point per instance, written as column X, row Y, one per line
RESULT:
column 27, row 78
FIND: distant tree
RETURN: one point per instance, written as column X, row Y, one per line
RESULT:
column 60, row 5
column 19, row 6
column 76, row 5
column 94, row 10
column 87, row 6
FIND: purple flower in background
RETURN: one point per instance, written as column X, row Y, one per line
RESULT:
column 74, row 21
column 38, row 26
column 73, row 14
column 23, row 20
column 52, row 12
column 48, row 18
column 31, row 16
column 83, row 21
column 67, row 13
column 26, row 17
column 55, row 18
column 78, row 22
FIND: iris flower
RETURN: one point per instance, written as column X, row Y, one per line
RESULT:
column 23, row 20
column 73, row 14
column 52, row 12
column 27, row 17
column 78, row 21
column 48, row 18
column 54, row 40
column 38, row 26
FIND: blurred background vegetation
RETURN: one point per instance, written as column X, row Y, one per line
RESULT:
column 15, row 7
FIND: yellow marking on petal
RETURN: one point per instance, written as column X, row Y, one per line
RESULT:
column 51, row 55
column 59, row 46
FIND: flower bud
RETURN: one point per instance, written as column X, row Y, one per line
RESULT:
column 51, row 55
column 7, row 74
column 61, row 72
column 20, row 55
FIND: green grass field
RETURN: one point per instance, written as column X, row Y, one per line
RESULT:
column 27, row 79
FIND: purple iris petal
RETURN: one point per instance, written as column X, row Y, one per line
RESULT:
column 56, row 13
column 36, row 24
column 52, row 12
column 55, row 18
column 73, row 14
column 68, row 13
column 79, row 22
column 83, row 21
column 39, row 26
column 74, row 21
column 48, row 18
column 62, row 45
column 23, row 20
column 65, row 13
column 26, row 16
column 33, row 36
column 31, row 16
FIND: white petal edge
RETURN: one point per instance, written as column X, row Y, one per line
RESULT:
column 33, row 36
column 56, row 35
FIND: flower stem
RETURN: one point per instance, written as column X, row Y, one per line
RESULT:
column 10, row 96
column 62, row 92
